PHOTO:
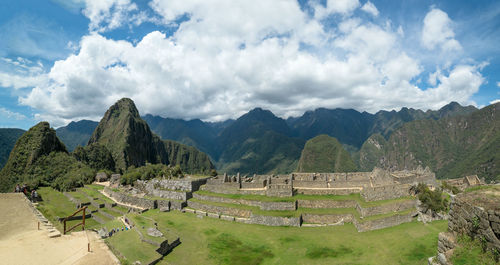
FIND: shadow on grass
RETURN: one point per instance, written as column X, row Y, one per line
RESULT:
column 420, row 252
column 326, row 252
column 227, row 249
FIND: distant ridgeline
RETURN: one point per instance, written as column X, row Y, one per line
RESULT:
column 120, row 141
column 453, row 141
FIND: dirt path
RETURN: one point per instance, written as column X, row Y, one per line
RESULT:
column 22, row 243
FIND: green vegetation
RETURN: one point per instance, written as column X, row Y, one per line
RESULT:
column 433, row 200
column 131, row 143
column 213, row 241
column 353, row 196
column 149, row 171
column 370, row 152
column 95, row 156
column 471, row 251
column 8, row 138
column 446, row 186
column 448, row 147
column 258, row 142
column 226, row 249
column 128, row 244
column 325, row 154
column 40, row 159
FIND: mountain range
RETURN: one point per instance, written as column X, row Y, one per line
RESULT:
column 260, row 142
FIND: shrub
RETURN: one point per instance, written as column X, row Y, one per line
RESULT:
column 432, row 199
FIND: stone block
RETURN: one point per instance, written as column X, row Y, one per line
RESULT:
column 227, row 217
column 213, row 215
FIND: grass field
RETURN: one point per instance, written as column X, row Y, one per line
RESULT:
column 350, row 197
column 214, row 241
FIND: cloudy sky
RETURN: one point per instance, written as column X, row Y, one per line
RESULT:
column 67, row 60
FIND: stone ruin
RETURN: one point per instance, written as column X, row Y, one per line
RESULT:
column 475, row 214
column 465, row 182
column 376, row 185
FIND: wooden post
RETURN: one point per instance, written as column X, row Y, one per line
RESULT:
column 38, row 225
column 88, row 247
column 83, row 220
column 64, row 226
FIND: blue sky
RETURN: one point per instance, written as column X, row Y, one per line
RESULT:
column 64, row 60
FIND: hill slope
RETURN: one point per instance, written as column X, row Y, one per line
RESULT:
column 258, row 142
column 38, row 157
column 76, row 133
column 325, row 154
column 8, row 138
column 131, row 142
column 453, row 146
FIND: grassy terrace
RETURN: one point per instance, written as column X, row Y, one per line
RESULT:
column 299, row 211
column 212, row 241
column 128, row 245
column 351, row 197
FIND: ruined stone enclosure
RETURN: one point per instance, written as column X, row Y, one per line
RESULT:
column 369, row 200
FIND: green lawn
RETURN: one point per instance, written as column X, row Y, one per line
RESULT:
column 213, row 241
column 128, row 244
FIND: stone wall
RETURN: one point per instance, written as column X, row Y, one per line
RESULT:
column 339, row 191
column 475, row 221
column 219, row 209
column 326, row 204
column 385, row 192
column 309, row 184
column 326, row 218
column 170, row 194
column 130, row 200
column 279, row 190
column 275, row 220
column 386, row 208
column 363, row 226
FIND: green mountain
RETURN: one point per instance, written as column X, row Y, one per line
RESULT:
column 258, row 142
column 370, row 153
column 325, row 154
column 76, row 133
column 193, row 133
column 96, row 156
column 131, row 142
column 453, row 146
column 39, row 158
column 353, row 128
column 8, row 138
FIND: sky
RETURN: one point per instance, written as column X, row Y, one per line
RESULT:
column 68, row 60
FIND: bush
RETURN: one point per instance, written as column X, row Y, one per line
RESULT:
column 432, row 199
column 148, row 172
column 446, row 186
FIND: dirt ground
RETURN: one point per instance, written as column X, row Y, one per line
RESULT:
column 22, row 243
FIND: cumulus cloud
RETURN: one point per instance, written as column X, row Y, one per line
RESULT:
column 437, row 31
column 370, row 8
column 228, row 57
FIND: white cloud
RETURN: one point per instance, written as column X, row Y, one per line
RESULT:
column 106, row 15
column 232, row 56
column 11, row 114
column 495, row 101
column 498, row 84
column 370, row 8
column 437, row 32
column 335, row 7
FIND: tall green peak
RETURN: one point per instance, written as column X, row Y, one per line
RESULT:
column 39, row 141
column 325, row 154
column 127, row 136
column 131, row 143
